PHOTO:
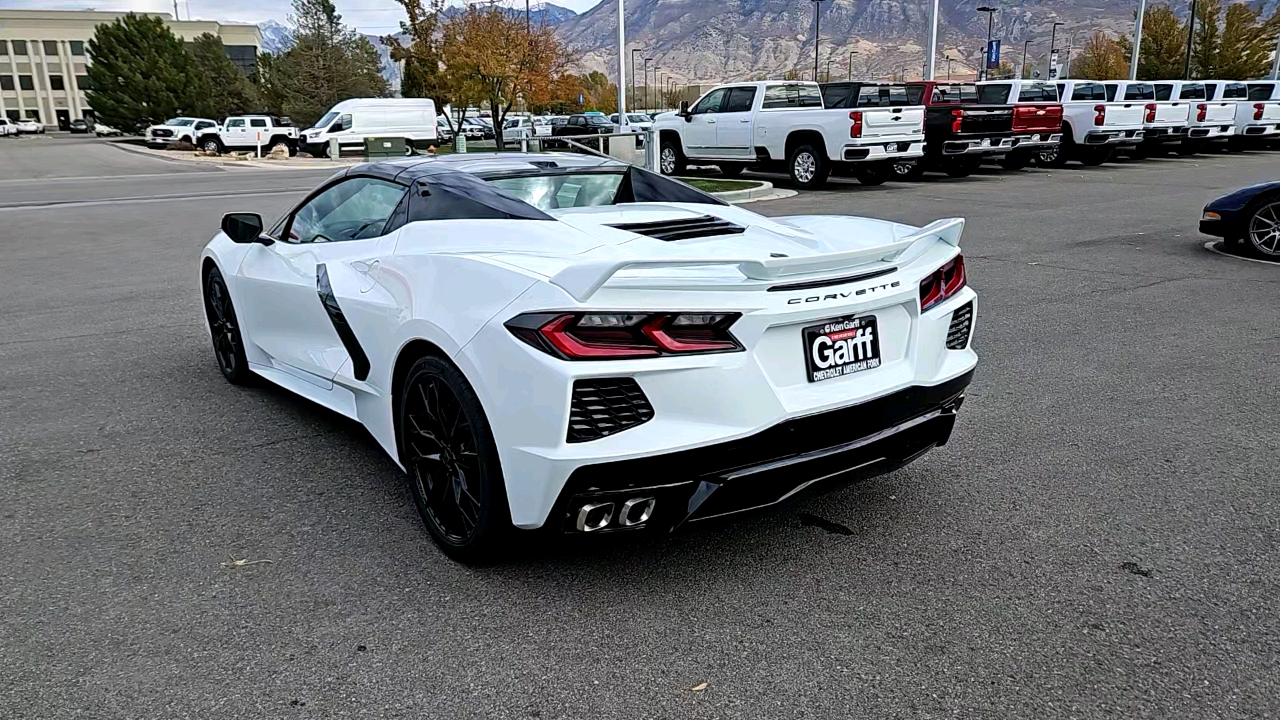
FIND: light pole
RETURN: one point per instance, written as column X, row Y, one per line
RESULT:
column 828, row 69
column 817, row 20
column 1137, row 40
column 662, row 83
column 1275, row 62
column 851, row 54
column 1053, row 38
column 932, row 48
column 948, row 58
column 1022, row 69
column 633, row 73
column 646, row 81
column 1191, row 33
column 991, row 13
column 622, row 67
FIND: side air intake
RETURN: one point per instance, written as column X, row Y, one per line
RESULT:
column 684, row 228
column 961, row 327
column 605, row 406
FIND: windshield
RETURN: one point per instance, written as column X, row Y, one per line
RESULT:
column 550, row 192
column 638, row 118
column 597, row 120
column 183, row 122
column 324, row 121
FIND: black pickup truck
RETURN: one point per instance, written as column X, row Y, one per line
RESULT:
column 960, row 134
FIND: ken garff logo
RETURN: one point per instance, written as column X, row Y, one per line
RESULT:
column 842, row 295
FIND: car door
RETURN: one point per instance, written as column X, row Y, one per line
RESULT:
column 233, row 133
column 700, row 133
column 288, row 304
column 733, row 123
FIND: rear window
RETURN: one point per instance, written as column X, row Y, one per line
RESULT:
column 791, row 96
column 1234, row 91
column 882, row 96
column 1164, row 92
column 949, row 94
column 1261, row 91
column 1038, row 93
column 994, row 94
column 1141, row 91
column 837, row 95
column 1192, row 91
column 1089, row 91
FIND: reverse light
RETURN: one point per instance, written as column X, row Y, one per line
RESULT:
column 1257, row 110
column 1202, row 111
column 956, row 116
column 855, row 127
column 1101, row 116
column 619, row 336
column 943, row 283
column 1151, row 113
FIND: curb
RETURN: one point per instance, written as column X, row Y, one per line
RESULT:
column 1215, row 247
column 765, row 191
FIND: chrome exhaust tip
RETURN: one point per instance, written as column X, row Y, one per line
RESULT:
column 636, row 511
column 594, row 516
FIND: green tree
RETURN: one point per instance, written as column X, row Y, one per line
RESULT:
column 1207, row 43
column 423, row 72
column 140, row 73
column 220, row 89
column 328, row 63
column 1247, row 43
column 1164, row 40
column 1101, row 58
column 271, row 84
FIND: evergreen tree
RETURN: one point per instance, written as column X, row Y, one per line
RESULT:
column 220, row 89
column 1164, row 40
column 1207, row 41
column 1247, row 44
column 140, row 73
column 328, row 63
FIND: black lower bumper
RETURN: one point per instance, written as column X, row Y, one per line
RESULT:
column 812, row 453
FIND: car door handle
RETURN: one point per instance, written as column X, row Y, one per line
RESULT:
column 745, row 120
column 711, row 121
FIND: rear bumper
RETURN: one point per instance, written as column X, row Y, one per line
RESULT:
column 882, row 150
column 1037, row 140
column 1163, row 133
column 1210, row 132
column 1260, row 129
column 811, row 453
column 1113, row 137
column 978, row 146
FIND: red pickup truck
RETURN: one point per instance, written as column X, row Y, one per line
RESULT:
column 960, row 133
column 1037, row 117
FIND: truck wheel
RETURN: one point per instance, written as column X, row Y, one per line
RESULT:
column 1014, row 161
column 910, row 170
column 731, row 171
column 874, row 173
column 1189, row 147
column 211, row 144
column 960, row 168
column 670, row 159
column 1094, row 157
column 808, row 167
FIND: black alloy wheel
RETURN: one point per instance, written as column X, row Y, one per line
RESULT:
column 1263, row 231
column 228, row 345
column 447, row 448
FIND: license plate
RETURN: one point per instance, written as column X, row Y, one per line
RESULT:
column 841, row 346
column 986, row 142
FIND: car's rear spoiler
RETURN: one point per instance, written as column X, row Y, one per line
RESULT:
column 583, row 279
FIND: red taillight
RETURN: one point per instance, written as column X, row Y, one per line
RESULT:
column 618, row 336
column 956, row 116
column 1101, row 117
column 1151, row 113
column 1258, row 108
column 855, row 124
column 1202, row 110
column 942, row 283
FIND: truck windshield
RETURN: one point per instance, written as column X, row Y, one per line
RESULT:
column 324, row 121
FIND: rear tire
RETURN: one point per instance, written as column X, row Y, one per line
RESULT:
column 212, row 144
column 446, row 445
column 960, row 168
column 873, row 174
column 731, row 171
column 1186, row 148
column 1094, row 156
column 1056, row 156
column 808, row 167
column 1014, row 161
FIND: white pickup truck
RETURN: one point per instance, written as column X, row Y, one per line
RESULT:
column 1206, row 120
column 1092, row 127
column 251, row 132
column 1259, row 116
column 1163, row 121
column 765, row 124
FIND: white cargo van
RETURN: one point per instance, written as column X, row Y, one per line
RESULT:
column 351, row 121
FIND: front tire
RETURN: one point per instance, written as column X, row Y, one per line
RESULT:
column 671, row 160
column 808, row 167
column 228, row 344
column 1263, row 229
column 447, row 448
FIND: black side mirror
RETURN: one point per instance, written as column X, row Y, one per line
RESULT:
column 242, row 227
column 684, row 110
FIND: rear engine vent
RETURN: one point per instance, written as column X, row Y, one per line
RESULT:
column 606, row 406
column 961, row 325
column 683, row 229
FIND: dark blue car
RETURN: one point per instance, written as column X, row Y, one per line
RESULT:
column 1247, row 219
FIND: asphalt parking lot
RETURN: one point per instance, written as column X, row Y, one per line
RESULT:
column 1101, row 538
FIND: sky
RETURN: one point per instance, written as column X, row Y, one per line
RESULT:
column 371, row 16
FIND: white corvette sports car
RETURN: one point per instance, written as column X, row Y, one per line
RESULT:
column 564, row 342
